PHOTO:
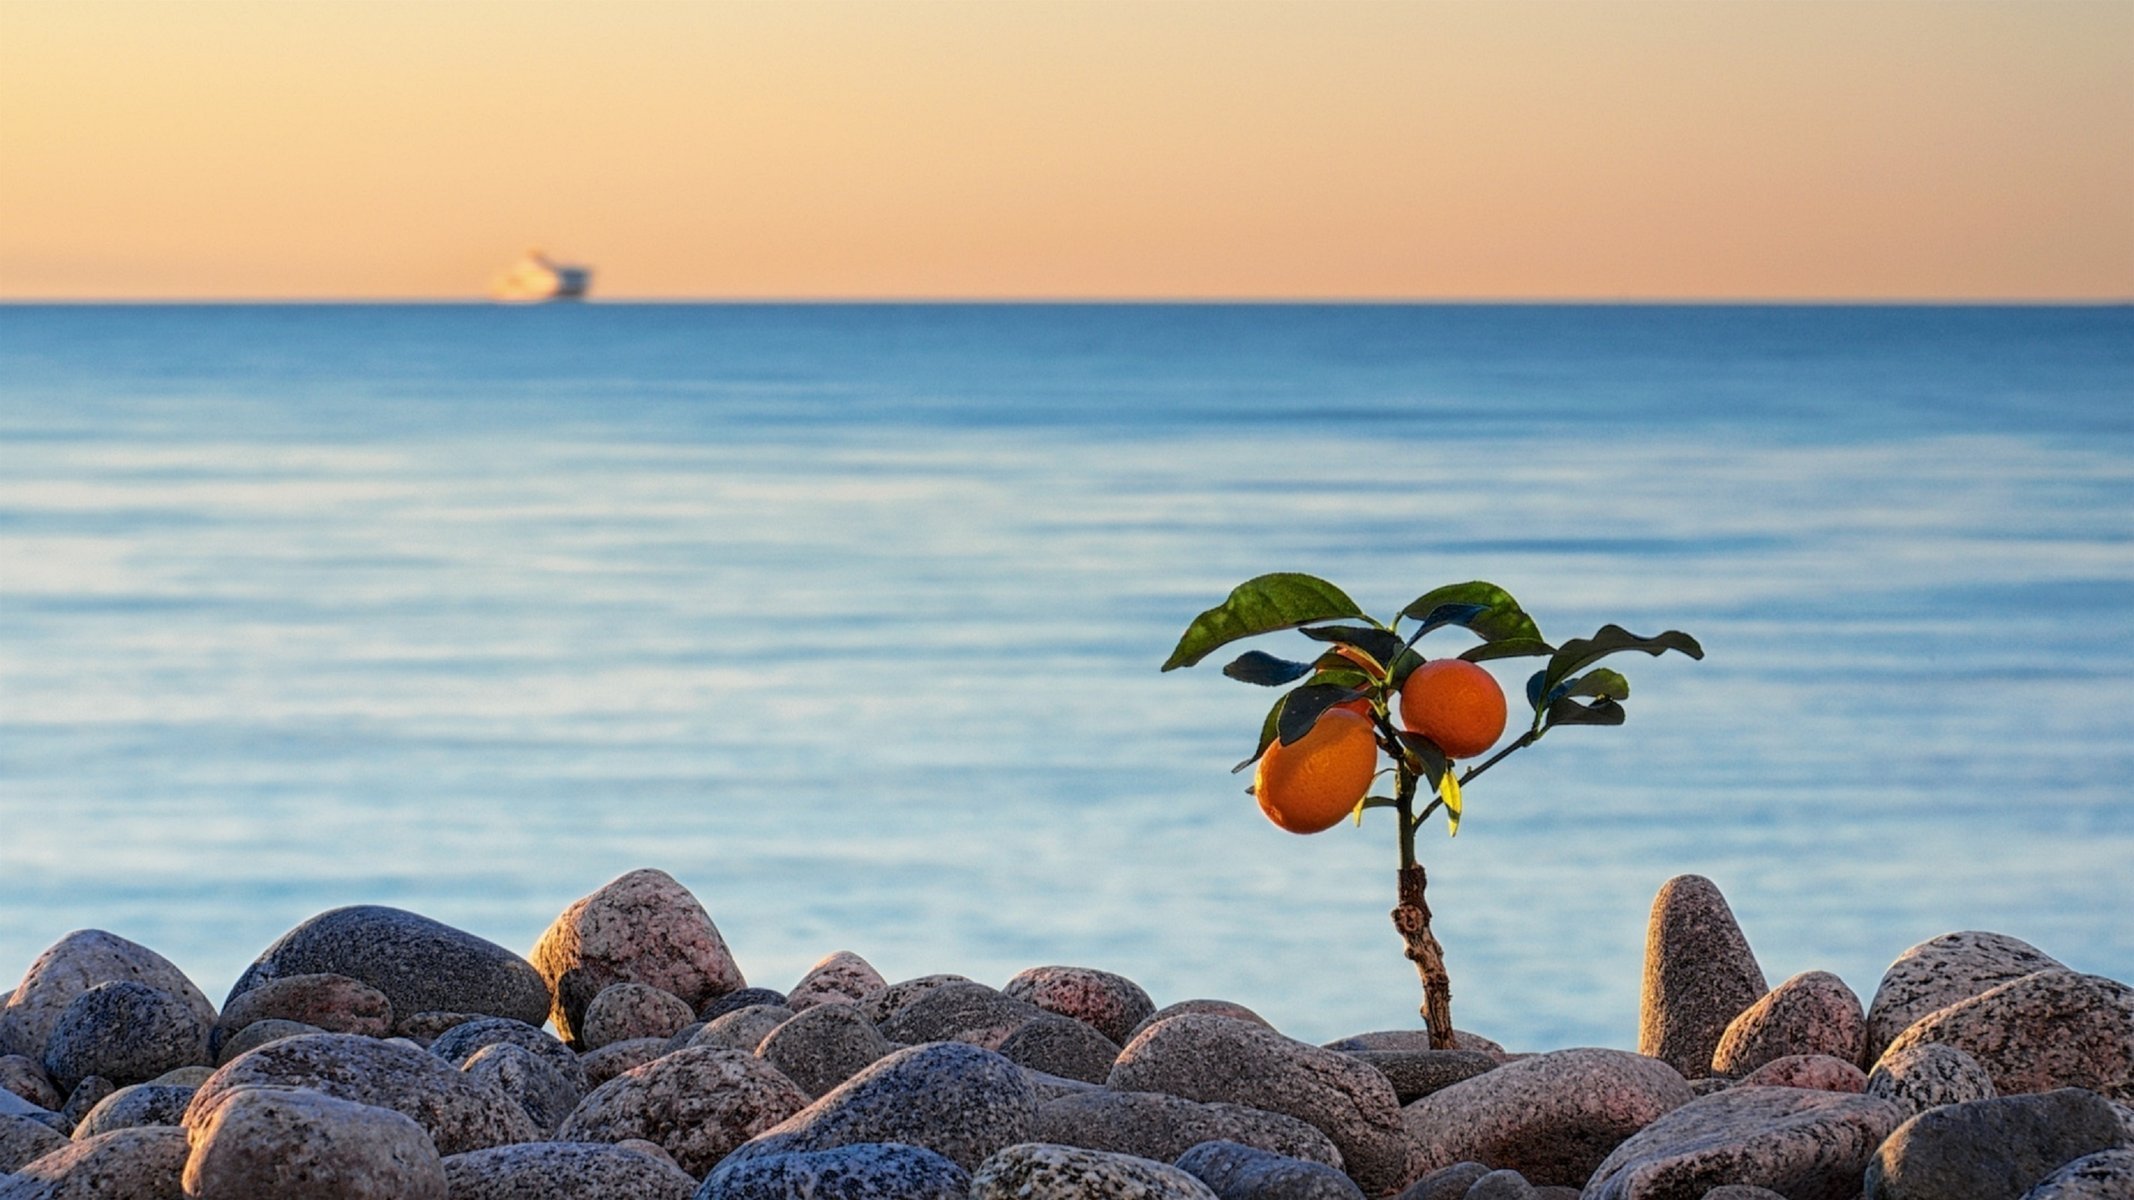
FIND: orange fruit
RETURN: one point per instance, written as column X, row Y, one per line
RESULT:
column 1360, row 706
column 1313, row 782
column 1454, row 703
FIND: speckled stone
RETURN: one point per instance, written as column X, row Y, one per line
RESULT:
column 632, row 1010
column 1929, row 1075
column 1818, row 1071
column 641, row 927
column 27, row 1079
column 880, row 1006
column 1806, row 1145
column 1710, row 1084
column 133, row 1106
column 1741, row 1191
column 74, row 964
column 1811, row 1013
column 421, row 965
column 1111, row 1004
column 1416, row 1041
column 126, row 1032
column 24, row 1139
column 1162, row 1127
column 698, row 1104
column 2049, row 1029
column 741, row 1029
column 823, row 1046
column 1205, row 1007
column 1039, row 1171
column 1552, row 1117
column 325, row 1001
column 259, row 1033
column 124, row 1164
column 1209, row 1058
column 719, row 1006
column 841, row 977
column 1699, row 975
column 1062, row 1046
column 577, row 1170
column 865, row 1171
column 277, row 1141
column 1500, row 1185
column 2105, row 1175
column 1990, row 1149
column 1941, row 971
column 533, row 1082
column 459, row 1044
column 960, row 1012
column 1234, row 1171
column 424, row 1028
column 191, row 1077
column 1446, row 1183
column 955, row 1099
column 611, row 1060
column 86, row 1095
column 1415, row 1074
column 458, row 1111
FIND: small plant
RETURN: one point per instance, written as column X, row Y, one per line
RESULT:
column 1319, row 746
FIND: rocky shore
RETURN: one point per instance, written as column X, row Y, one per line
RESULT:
column 375, row 1053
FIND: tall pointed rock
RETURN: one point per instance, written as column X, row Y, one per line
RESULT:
column 1699, row 975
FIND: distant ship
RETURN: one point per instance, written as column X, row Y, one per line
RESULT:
column 537, row 278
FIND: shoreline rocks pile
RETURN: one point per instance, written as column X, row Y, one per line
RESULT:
column 375, row 1053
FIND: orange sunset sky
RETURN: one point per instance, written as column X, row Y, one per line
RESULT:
column 1104, row 148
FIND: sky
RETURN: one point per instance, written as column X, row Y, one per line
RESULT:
column 1031, row 149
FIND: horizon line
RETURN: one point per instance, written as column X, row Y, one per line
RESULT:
column 1093, row 301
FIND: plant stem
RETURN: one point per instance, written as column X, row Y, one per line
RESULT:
column 1411, row 919
column 1522, row 742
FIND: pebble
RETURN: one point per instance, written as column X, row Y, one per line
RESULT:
column 2049, row 1029
column 419, row 964
column 86, row 1095
column 957, row 1100
column 1929, row 1075
column 823, row 1046
column 1991, row 1149
column 425, row 1027
column 74, row 964
column 1811, row 1013
column 534, row 1083
column 1111, row 1004
column 698, row 1104
column 1818, row 1071
column 1941, row 971
column 577, row 1170
column 862, row 1171
column 1415, row 1074
column 1699, row 975
column 743, row 1028
column 1807, row 1145
column 641, row 927
column 719, row 1006
column 1552, row 1117
column 133, row 1106
column 258, row 1034
column 1204, row 1057
column 24, row 1139
column 632, row 1010
column 147, row 1163
column 1040, row 1171
column 613, row 1059
column 960, row 1012
column 1213, row 1008
column 1162, row 1127
column 1417, row 1041
column 841, row 977
column 280, row 1141
column 1234, row 1171
column 459, row 1044
column 882, row 1005
column 1446, row 1183
column 2105, row 1175
column 1500, row 1185
column 1062, row 1046
column 325, row 1001
column 26, row 1079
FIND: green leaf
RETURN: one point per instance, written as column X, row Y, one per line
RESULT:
column 1268, row 729
column 1501, row 617
column 1601, row 682
column 1302, row 708
column 1579, row 653
column 1566, row 711
column 1508, row 648
column 1266, row 670
column 1264, row 604
column 1403, row 667
column 1448, row 614
column 1434, row 761
column 1381, row 644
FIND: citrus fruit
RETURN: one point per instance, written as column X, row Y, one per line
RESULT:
column 1454, row 703
column 1313, row 782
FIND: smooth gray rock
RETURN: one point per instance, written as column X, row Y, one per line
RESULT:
column 146, row 1163
column 2049, row 1029
column 1818, row 1071
column 324, row 1001
column 20, row 1076
column 134, row 1106
column 86, row 1095
column 1699, row 975
column 1111, row 1004
column 1415, row 1074
column 1941, row 971
column 1991, row 1149
column 1552, row 1117
column 1062, row 1046
column 126, row 1032
column 13, row 1105
column 460, row 1043
column 1205, row 1007
column 1234, row 1171
column 25, row 1139
column 2105, row 1175
column 1039, row 1171
column 623, row 1011
column 719, row 1006
column 823, row 1046
column 741, row 1029
column 458, row 1111
column 1209, row 1058
column 1501, row 1185
column 1929, row 1075
column 863, row 1171
column 1162, row 1127
column 958, row 1100
column 960, row 1012
column 611, row 1060
column 74, row 964
column 1803, row 1144
column 1446, row 1183
column 419, row 964
column 841, row 977
column 698, row 1104
column 259, row 1033
column 641, row 927
column 572, row 1170
column 1811, row 1013
column 880, row 1006
column 534, row 1083
column 278, row 1141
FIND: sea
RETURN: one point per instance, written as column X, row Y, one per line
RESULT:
column 849, row 617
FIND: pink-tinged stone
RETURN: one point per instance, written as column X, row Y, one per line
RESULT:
column 1699, row 975
column 325, row 1001
column 1928, row 1075
column 2051, row 1029
column 840, row 978
column 1551, row 1117
column 1818, row 1071
column 1111, row 1004
column 276, row 1141
column 1800, row 1143
column 697, row 1103
column 1811, row 1013
column 1941, row 971
column 144, row 1163
column 624, row 1011
column 74, row 964
column 642, row 927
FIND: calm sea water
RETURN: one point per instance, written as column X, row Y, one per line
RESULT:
column 849, row 617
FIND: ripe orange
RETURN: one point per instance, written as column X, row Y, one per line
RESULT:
column 1313, row 782
column 1454, row 703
